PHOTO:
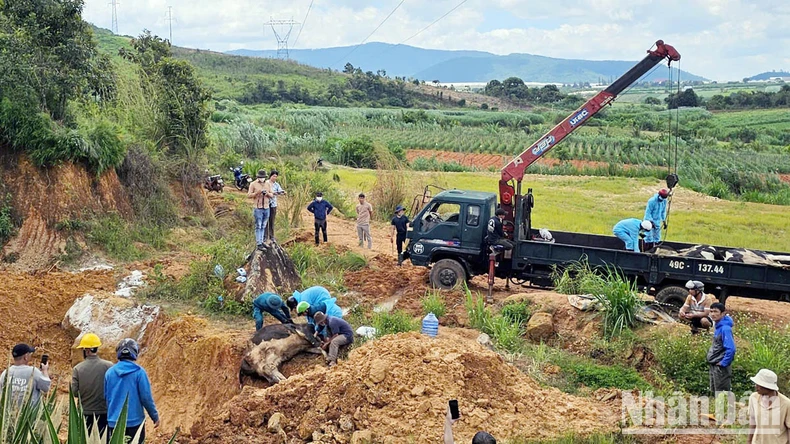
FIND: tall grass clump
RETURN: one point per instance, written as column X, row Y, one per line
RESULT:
column 479, row 315
column 394, row 322
column 507, row 335
column 433, row 302
column 324, row 266
column 392, row 185
column 517, row 312
column 617, row 296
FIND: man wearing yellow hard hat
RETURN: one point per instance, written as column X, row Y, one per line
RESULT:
column 87, row 383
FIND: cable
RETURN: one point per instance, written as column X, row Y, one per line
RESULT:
column 303, row 22
column 677, row 123
column 434, row 22
column 369, row 35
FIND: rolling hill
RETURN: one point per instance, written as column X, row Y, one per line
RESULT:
column 463, row 66
column 770, row 74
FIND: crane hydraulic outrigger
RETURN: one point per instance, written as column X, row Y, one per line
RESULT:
column 514, row 171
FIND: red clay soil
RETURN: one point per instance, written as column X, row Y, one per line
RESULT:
column 44, row 197
column 785, row 178
column 397, row 387
column 32, row 306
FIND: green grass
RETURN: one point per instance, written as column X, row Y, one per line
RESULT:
column 433, row 302
column 324, row 267
column 122, row 240
column 398, row 321
column 595, row 204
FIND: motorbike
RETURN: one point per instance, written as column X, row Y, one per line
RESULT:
column 242, row 180
column 214, row 183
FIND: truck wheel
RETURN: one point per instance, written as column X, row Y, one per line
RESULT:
column 672, row 295
column 447, row 274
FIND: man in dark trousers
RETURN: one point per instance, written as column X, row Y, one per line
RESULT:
column 272, row 304
column 496, row 231
column 320, row 209
column 337, row 333
column 127, row 381
column 722, row 350
column 400, row 224
column 87, row 383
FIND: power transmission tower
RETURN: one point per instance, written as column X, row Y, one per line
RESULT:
column 114, row 25
column 170, row 22
column 283, row 34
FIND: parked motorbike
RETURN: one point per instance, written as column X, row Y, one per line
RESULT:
column 242, row 181
column 214, row 183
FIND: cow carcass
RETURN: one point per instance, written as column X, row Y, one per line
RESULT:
column 274, row 344
column 745, row 256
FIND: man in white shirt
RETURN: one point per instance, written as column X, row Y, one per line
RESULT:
column 21, row 375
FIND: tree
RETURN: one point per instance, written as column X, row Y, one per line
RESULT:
column 348, row 69
column 683, row 98
column 650, row 100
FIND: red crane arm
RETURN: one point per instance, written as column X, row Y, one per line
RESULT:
column 517, row 167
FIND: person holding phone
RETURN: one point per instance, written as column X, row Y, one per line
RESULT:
column 21, row 374
column 452, row 416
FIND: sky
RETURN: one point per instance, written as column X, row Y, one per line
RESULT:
column 718, row 39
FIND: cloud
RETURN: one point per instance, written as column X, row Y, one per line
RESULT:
column 719, row 39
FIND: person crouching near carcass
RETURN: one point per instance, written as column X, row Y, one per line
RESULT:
column 337, row 333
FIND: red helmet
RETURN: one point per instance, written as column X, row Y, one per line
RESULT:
column 663, row 193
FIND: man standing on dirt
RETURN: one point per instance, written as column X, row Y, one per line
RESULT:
column 696, row 309
column 364, row 214
column 277, row 190
column 722, row 350
column 87, row 383
column 320, row 209
column 21, row 374
column 272, row 304
column 496, row 231
column 656, row 212
column 400, row 225
column 127, row 380
column 769, row 411
column 337, row 333
column 260, row 192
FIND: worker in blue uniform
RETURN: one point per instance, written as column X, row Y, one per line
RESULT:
column 656, row 212
column 630, row 230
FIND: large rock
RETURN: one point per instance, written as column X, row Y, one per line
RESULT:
column 362, row 437
column 540, row 327
column 112, row 318
column 271, row 270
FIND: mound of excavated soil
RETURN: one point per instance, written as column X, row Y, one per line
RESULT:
column 397, row 387
column 32, row 305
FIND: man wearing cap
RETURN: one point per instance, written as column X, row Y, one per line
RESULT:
column 400, row 227
column 127, row 380
column 364, row 214
column 696, row 309
column 326, row 307
column 320, row 209
column 496, row 231
column 21, row 374
column 769, row 411
column 656, row 212
column 272, row 304
column 722, row 350
column 87, row 383
column 260, row 192
column 277, row 190
column 631, row 230
column 337, row 333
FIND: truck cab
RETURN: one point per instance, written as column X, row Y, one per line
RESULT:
column 449, row 233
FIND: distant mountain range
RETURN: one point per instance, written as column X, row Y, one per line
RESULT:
column 770, row 74
column 464, row 66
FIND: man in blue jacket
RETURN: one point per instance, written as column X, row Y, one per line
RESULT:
column 320, row 209
column 630, row 230
column 127, row 380
column 656, row 212
column 272, row 304
column 312, row 296
column 722, row 350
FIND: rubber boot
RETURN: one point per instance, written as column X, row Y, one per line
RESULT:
column 400, row 259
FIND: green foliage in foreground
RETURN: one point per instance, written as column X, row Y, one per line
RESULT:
column 433, row 302
column 398, row 321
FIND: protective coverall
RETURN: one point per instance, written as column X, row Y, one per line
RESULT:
column 313, row 295
column 263, row 304
column 655, row 212
column 628, row 231
column 328, row 308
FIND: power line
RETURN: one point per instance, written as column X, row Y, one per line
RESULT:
column 303, row 22
column 371, row 34
column 282, row 38
column 434, row 22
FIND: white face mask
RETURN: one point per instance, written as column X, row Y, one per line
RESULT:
column 319, row 199
column 261, row 180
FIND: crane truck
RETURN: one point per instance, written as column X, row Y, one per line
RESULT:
column 448, row 234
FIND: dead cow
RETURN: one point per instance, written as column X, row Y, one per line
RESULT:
column 754, row 257
column 274, row 344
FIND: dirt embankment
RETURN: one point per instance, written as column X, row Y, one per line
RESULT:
column 398, row 388
column 32, row 306
column 44, row 197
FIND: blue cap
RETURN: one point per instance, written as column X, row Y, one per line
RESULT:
column 274, row 301
column 399, row 208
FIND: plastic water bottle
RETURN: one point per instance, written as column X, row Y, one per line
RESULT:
column 430, row 325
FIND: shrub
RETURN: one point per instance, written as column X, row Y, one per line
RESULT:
column 682, row 359
column 6, row 222
column 113, row 235
column 597, row 376
column 324, row 267
column 433, row 302
column 507, row 335
column 397, row 321
column 479, row 315
column 518, row 312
